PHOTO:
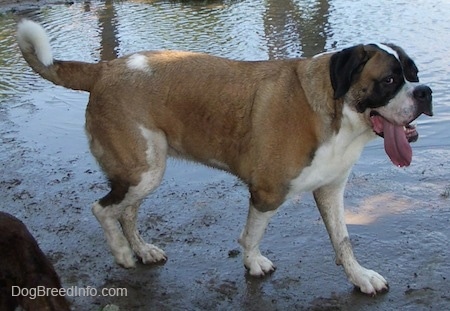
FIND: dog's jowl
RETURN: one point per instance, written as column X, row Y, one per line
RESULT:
column 282, row 126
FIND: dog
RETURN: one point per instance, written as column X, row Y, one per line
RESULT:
column 282, row 126
column 23, row 265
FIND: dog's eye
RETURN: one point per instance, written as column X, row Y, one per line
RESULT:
column 389, row 80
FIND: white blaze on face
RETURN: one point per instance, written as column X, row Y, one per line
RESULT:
column 388, row 50
column 139, row 62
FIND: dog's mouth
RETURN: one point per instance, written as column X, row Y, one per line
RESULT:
column 397, row 138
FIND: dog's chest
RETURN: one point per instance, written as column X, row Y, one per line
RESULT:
column 332, row 162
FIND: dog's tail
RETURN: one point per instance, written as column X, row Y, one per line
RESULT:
column 35, row 47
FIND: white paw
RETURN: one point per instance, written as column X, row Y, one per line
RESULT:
column 124, row 257
column 258, row 265
column 149, row 254
column 369, row 281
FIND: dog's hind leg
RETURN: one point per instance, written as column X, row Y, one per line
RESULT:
column 156, row 154
column 123, row 201
column 148, row 253
column 107, row 217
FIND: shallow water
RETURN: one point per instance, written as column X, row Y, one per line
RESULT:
column 42, row 126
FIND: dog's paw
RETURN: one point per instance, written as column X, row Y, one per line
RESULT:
column 369, row 282
column 258, row 265
column 124, row 257
column 150, row 254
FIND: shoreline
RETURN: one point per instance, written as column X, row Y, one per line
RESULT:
column 12, row 6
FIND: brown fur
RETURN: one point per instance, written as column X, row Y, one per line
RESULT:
column 23, row 264
column 233, row 112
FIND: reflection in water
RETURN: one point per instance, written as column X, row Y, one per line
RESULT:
column 377, row 206
column 291, row 28
column 296, row 29
column 107, row 21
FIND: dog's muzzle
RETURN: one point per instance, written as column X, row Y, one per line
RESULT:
column 397, row 137
column 423, row 97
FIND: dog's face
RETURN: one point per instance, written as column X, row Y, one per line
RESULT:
column 380, row 82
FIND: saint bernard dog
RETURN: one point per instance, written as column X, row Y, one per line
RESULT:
column 282, row 126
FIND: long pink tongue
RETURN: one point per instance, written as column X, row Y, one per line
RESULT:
column 396, row 145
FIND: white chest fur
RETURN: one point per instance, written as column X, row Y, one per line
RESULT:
column 334, row 159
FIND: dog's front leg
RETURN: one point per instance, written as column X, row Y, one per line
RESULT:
column 251, row 236
column 330, row 201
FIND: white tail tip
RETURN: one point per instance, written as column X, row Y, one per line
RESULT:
column 32, row 37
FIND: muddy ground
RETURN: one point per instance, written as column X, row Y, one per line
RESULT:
column 398, row 221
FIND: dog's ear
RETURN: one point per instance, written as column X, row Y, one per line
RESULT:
column 409, row 67
column 344, row 66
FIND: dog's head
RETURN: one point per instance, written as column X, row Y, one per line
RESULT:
column 380, row 82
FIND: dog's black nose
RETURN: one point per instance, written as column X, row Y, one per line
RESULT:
column 422, row 94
